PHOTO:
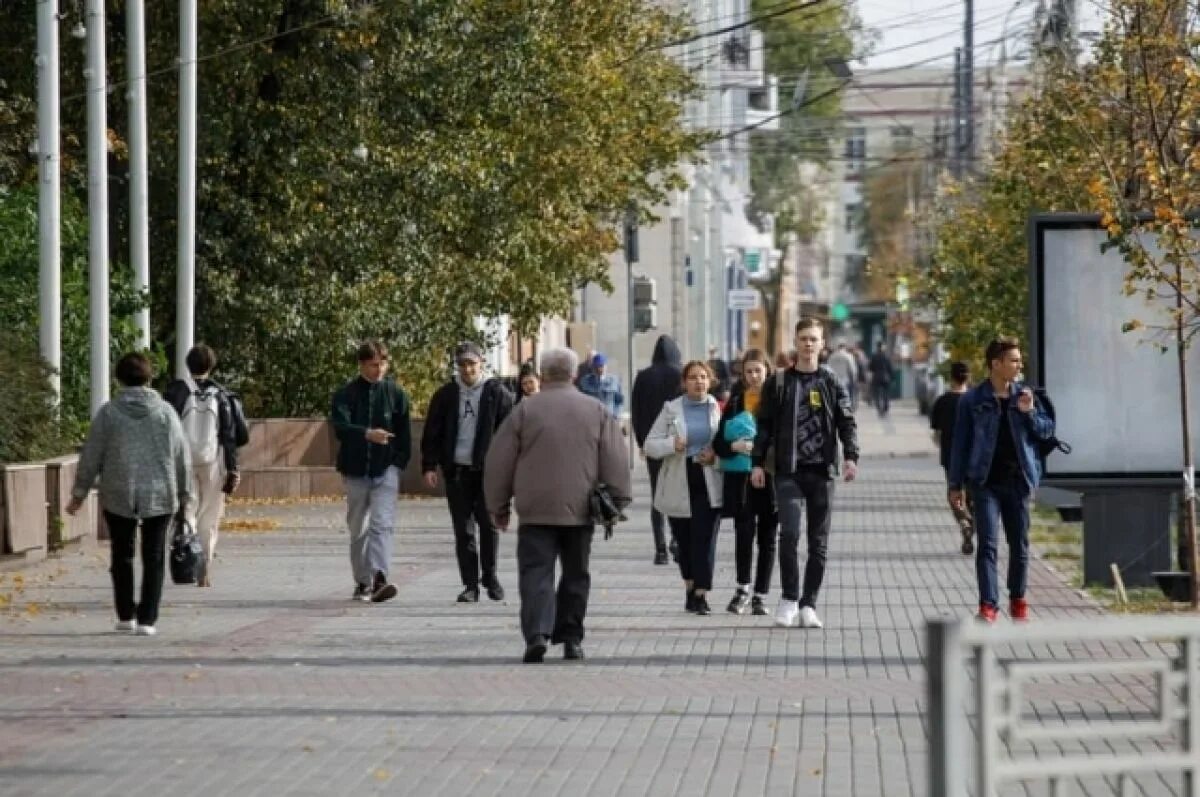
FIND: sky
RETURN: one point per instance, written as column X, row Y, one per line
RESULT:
column 916, row 30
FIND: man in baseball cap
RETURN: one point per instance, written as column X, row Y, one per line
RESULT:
column 463, row 415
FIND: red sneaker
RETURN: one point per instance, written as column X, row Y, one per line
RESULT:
column 987, row 613
column 1018, row 608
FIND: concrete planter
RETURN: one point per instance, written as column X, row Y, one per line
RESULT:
column 33, row 500
column 295, row 458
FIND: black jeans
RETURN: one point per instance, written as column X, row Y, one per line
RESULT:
column 754, row 519
column 697, row 535
column 657, row 524
column 554, row 614
column 464, row 493
column 814, row 489
column 123, row 533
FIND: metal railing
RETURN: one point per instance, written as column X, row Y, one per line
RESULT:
column 982, row 678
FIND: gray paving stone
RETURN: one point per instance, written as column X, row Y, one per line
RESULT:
column 274, row 683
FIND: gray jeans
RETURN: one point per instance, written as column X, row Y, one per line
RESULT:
column 371, row 518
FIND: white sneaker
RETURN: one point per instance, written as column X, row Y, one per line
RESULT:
column 145, row 630
column 786, row 613
column 126, row 625
column 809, row 619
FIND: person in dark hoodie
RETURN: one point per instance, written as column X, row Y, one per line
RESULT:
column 653, row 387
column 463, row 416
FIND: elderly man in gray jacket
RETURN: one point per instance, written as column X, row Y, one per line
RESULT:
column 549, row 454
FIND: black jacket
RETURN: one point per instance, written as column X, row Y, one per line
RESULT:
column 177, row 394
column 776, row 420
column 361, row 405
column 655, row 386
column 441, row 424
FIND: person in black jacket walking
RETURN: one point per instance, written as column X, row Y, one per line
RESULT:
column 463, row 416
column 752, row 508
column 370, row 418
column 653, row 387
column 803, row 413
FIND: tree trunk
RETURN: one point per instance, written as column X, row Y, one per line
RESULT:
column 1189, row 471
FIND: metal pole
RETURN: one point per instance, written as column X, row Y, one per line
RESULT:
column 49, row 210
column 947, row 722
column 957, row 133
column 139, row 191
column 631, row 257
column 969, row 86
column 185, row 284
column 97, row 149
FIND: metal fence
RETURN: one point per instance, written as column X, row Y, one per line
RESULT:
column 990, row 686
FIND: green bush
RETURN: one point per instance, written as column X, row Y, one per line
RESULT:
column 29, row 429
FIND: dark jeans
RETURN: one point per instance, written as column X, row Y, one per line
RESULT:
column 881, row 396
column 653, row 466
column 814, row 490
column 558, row 616
column 464, row 493
column 697, row 535
column 993, row 504
column 123, row 533
column 754, row 519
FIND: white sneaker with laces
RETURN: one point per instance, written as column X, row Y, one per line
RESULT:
column 809, row 619
column 786, row 613
column 126, row 625
column 145, row 630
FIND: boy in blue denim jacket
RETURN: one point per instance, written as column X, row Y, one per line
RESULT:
column 995, row 457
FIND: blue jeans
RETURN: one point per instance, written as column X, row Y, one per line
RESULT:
column 991, row 505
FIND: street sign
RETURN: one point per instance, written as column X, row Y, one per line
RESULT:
column 752, row 261
column 744, row 299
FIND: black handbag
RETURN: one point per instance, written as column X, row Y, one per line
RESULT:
column 187, row 555
column 604, row 508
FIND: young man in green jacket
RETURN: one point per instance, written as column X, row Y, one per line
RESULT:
column 370, row 419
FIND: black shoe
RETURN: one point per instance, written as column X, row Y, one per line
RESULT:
column 382, row 589
column 674, row 549
column 690, row 604
column 361, row 593
column 660, row 558
column 572, row 650
column 740, row 602
column 535, row 651
column 701, row 605
column 494, row 590
column 757, row 607
column 469, row 595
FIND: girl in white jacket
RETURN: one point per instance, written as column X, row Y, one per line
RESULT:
column 689, row 485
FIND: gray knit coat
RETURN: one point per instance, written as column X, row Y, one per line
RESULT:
column 137, row 449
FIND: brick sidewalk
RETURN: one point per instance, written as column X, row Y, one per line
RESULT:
column 273, row 682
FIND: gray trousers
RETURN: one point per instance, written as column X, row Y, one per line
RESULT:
column 371, row 518
column 559, row 614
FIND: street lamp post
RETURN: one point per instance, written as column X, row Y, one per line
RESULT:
column 49, row 227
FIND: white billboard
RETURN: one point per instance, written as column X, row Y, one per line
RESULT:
column 1116, row 395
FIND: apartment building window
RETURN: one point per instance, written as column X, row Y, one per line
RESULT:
column 902, row 138
column 856, row 150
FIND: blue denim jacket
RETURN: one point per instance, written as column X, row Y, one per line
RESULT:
column 975, row 431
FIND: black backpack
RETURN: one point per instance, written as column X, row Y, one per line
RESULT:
column 1051, row 444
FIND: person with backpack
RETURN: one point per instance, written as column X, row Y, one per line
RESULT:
column 942, row 418
column 215, row 427
column 999, row 431
column 136, row 448
column 462, row 419
column 370, row 417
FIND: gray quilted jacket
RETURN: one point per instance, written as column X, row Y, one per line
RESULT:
column 137, row 449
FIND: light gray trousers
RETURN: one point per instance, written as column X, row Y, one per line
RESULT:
column 371, row 518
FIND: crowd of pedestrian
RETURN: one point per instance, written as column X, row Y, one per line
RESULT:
column 760, row 441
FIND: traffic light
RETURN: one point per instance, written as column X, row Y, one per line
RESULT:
column 645, row 304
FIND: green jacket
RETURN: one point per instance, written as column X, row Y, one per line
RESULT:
column 361, row 405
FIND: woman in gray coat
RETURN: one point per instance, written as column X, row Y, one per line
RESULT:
column 137, row 449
